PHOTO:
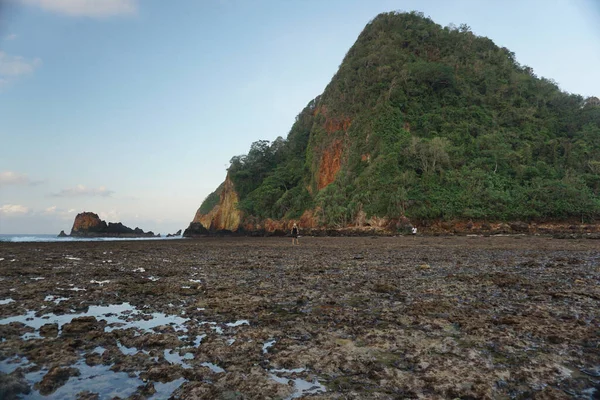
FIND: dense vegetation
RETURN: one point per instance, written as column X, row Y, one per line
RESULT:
column 211, row 200
column 444, row 124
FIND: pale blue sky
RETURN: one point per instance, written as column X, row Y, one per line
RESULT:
column 133, row 108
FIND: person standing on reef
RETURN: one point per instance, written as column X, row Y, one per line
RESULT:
column 295, row 234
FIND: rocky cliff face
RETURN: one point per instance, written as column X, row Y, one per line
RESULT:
column 224, row 217
column 329, row 165
column 89, row 224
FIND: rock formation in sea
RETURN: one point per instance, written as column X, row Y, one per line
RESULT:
column 89, row 224
column 178, row 233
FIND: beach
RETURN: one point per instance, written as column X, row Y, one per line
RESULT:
column 496, row 317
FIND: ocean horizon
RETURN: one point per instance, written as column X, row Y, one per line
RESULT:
column 22, row 237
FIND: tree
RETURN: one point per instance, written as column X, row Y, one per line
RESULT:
column 432, row 154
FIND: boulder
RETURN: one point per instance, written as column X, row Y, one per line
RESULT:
column 13, row 385
column 87, row 395
column 519, row 226
column 55, row 378
column 195, row 229
column 62, row 234
column 49, row 330
column 81, row 325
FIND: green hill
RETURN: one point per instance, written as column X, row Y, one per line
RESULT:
column 428, row 122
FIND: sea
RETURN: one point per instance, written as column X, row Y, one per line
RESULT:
column 55, row 238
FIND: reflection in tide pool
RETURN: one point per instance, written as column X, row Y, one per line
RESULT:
column 109, row 384
column 174, row 357
column 122, row 315
column 164, row 390
column 301, row 387
column 213, row 367
column 97, row 379
column 238, row 323
column 268, row 345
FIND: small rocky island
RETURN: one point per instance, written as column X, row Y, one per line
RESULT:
column 89, row 224
column 176, row 234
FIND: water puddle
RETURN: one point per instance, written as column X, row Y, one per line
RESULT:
column 238, row 323
column 55, row 299
column 101, row 283
column 6, row 301
column 213, row 367
column 289, row 371
column 74, row 289
column 214, row 327
column 301, row 387
column 109, row 384
column 199, row 340
column 8, row 366
column 268, row 345
column 174, row 357
column 96, row 379
column 119, row 316
column 31, row 336
column 164, row 390
column 128, row 351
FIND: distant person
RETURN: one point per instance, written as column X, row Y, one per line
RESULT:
column 295, row 234
column 414, row 230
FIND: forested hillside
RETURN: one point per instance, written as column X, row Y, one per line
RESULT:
column 428, row 122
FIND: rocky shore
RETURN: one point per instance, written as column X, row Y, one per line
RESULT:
column 385, row 227
column 471, row 317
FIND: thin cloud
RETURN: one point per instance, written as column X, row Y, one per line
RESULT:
column 81, row 190
column 16, row 65
column 12, row 36
column 13, row 67
column 13, row 209
column 59, row 212
column 110, row 216
column 86, row 8
column 14, row 178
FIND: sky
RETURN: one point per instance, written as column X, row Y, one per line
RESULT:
column 132, row 109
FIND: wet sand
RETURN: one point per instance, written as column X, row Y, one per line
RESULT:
column 333, row 318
